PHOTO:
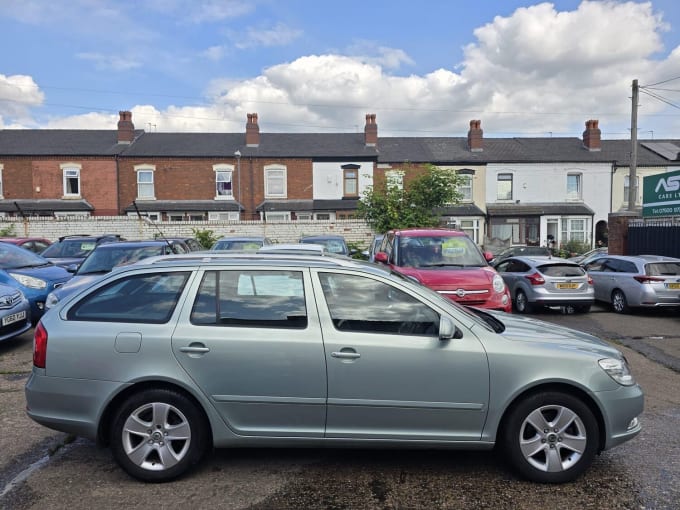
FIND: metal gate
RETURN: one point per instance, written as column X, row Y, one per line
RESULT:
column 655, row 237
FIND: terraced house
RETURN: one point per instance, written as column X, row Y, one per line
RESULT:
column 515, row 190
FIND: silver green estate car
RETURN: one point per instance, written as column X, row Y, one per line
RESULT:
column 171, row 356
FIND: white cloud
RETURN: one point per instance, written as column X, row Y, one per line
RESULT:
column 18, row 95
column 278, row 35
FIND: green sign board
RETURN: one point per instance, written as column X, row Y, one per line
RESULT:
column 661, row 194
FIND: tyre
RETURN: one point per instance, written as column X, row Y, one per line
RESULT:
column 522, row 303
column 619, row 302
column 551, row 437
column 158, row 434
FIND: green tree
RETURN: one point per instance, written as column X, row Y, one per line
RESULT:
column 388, row 206
column 206, row 237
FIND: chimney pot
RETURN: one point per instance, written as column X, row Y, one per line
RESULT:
column 252, row 131
column 592, row 136
column 476, row 136
column 370, row 131
column 126, row 129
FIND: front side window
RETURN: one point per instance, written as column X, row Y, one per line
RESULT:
column 223, row 187
column 363, row 305
column 71, row 181
column 275, row 182
column 504, row 187
column 351, row 182
column 574, row 187
column 243, row 298
column 142, row 298
column 145, row 185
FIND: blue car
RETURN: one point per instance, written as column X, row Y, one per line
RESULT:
column 34, row 275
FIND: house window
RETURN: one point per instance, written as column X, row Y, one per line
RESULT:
column 626, row 188
column 575, row 229
column 274, row 217
column 275, row 182
column 323, row 216
column 465, row 187
column 350, row 182
column 574, row 187
column 145, row 186
column 223, row 216
column 303, row 216
column 504, row 187
column 223, row 187
column 395, row 179
column 71, row 181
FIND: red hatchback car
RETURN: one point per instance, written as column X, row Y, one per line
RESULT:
column 34, row 244
column 446, row 261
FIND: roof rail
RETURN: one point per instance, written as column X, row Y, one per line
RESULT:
column 245, row 256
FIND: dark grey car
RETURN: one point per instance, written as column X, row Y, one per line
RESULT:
column 168, row 357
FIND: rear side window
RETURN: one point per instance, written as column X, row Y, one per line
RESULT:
column 562, row 270
column 663, row 269
column 262, row 299
column 146, row 298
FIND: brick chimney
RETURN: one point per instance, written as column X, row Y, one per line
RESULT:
column 591, row 136
column 252, row 131
column 126, row 129
column 370, row 131
column 476, row 136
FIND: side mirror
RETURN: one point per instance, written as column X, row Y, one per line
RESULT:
column 448, row 330
column 381, row 256
column 488, row 256
column 72, row 268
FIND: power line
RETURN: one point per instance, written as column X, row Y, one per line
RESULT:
column 660, row 98
column 660, row 82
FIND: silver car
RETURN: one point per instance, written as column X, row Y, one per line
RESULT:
column 171, row 356
column 644, row 281
column 535, row 282
column 15, row 312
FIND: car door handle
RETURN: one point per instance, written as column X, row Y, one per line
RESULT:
column 194, row 349
column 346, row 355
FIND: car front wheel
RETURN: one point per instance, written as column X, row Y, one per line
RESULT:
column 158, row 434
column 551, row 437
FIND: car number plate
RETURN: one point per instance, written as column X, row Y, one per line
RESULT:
column 567, row 285
column 15, row 317
column 673, row 285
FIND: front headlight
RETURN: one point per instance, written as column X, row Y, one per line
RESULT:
column 498, row 284
column 51, row 300
column 29, row 281
column 618, row 370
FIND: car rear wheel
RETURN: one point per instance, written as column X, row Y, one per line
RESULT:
column 158, row 434
column 619, row 302
column 551, row 437
column 522, row 303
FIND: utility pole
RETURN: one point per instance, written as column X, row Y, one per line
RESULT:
column 632, row 175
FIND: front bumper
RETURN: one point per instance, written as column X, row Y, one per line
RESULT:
column 620, row 408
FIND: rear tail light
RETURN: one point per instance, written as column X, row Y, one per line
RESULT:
column 648, row 279
column 535, row 279
column 39, row 346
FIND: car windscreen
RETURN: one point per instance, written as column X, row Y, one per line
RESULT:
column 105, row 258
column 663, row 269
column 13, row 257
column 238, row 245
column 564, row 270
column 70, row 248
column 439, row 252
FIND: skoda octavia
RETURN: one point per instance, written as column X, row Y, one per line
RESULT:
column 170, row 357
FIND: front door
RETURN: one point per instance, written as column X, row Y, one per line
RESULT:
column 389, row 374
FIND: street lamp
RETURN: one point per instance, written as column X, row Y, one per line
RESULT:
column 238, row 170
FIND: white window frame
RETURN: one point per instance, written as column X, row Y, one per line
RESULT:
column 303, row 216
column 626, row 185
column 567, row 230
column 277, row 217
column 331, row 216
column 512, row 186
column 74, row 170
column 153, row 216
column 471, row 226
column 143, row 169
column 578, row 193
column 395, row 179
column 466, row 196
column 224, row 216
column 272, row 172
column 71, row 214
column 223, row 170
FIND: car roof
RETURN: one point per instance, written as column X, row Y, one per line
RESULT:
column 133, row 244
column 241, row 238
column 423, row 232
column 541, row 259
column 643, row 258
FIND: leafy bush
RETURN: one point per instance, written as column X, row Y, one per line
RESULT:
column 8, row 231
column 206, row 237
column 573, row 248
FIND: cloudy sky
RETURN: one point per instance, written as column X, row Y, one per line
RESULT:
column 424, row 68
